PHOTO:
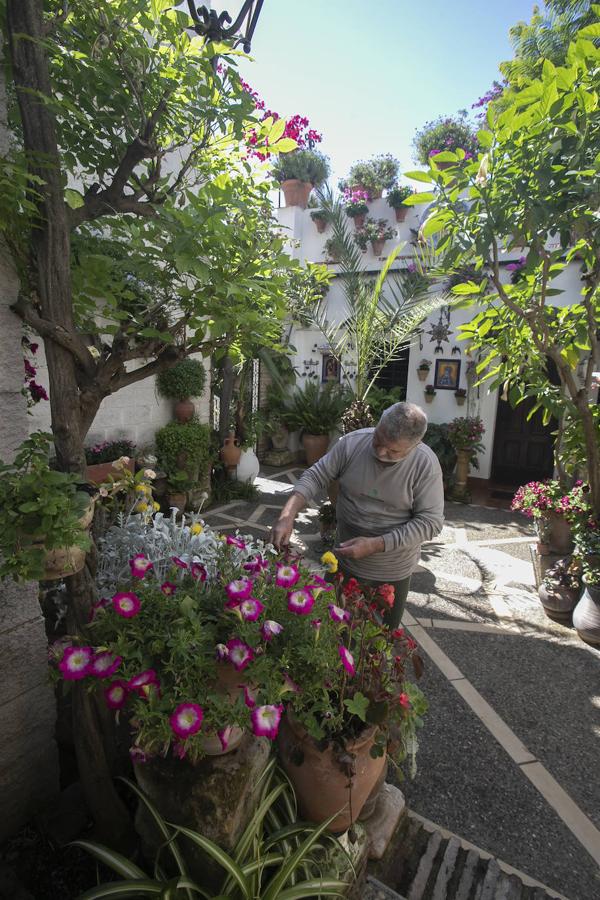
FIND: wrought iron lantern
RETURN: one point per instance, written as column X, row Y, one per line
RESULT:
column 220, row 26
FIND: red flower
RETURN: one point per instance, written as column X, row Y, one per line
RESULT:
column 387, row 593
column 404, row 700
column 351, row 587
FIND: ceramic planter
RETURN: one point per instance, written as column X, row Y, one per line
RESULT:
column 315, row 446
column 586, row 615
column 377, row 247
column 321, row 786
column 248, row 467
column 460, row 401
column 429, row 398
column 184, row 410
column 559, row 533
column 321, row 225
column 359, row 220
column 401, row 214
column 462, row 469
column 559, row 602
column 422, row 374
column 100, row 472
column 295, row 192
column 63, row 561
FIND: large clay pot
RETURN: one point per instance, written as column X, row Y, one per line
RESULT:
column 296, row 192
column 248, row 467
column 401, row 214
column 315, row 446
column 559, row 602
column 322, row 788
column 184, row 410
column 559, row 533
column 377, row 247
column 462, row 469
column 586, row 615
column 100, row 472
column 231, row 451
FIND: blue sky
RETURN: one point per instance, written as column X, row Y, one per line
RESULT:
column 368, row 74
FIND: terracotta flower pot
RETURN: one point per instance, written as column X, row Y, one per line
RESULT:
column 401, row 214
column 315, row 446
column 460, row 401
column 230, row 452
column 422, row 374
column 462, row 469
column 429, row 398
column 559, row 535
column 99, row 472
column 377, row 247
column 184, row 410
column 359, row 220
column 559, row 602
column 321, row 225
column 322, row 787
column 296, row 192
column 63, row 561
column 586, row 615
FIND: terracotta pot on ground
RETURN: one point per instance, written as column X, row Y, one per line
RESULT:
column 321, row 787
column 296, row 192
column 560, row 538
column 559, row 602
column 401, row 214
column 359, row 220
column 315, row 446
column 230, row 452
column 184, row 410
column 377, row 247
column 462, row 469
column 586, row 615
column 422, row 374
column 99, row 472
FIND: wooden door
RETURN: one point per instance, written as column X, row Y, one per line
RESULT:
column 523, row 450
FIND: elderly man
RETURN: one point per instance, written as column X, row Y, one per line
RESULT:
column 391, row 499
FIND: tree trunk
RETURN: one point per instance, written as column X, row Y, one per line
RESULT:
column 227, row 377
column 592, row 452
column 50, row 258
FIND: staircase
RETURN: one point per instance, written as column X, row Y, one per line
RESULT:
column 428, row 863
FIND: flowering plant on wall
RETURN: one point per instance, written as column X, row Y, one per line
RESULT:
column 445, row 133
column 355, row 202
column 465, row 433
column 297, row 128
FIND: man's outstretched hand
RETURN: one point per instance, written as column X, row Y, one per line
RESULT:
column 358, row 547
column 281, row 532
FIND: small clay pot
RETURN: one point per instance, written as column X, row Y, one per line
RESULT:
column 401, row 214
column 377, row 247
column 231, row 451
column 460, row 401
column 184, row 410
column 359, row 221
column 321, row 225
column 429, row 398
column 422, row 374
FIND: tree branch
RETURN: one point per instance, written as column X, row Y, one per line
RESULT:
column 47, row 329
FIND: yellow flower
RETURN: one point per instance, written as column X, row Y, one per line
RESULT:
column 196, row 528
column 156, row 506
column 140, row 488
column 142, row 507
column 328, row 559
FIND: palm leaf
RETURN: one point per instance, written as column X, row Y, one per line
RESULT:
column 134, row 888
column 115, row 861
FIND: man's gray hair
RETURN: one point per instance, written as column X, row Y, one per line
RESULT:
column 404, row 422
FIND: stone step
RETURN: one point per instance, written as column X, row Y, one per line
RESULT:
column 426, row 862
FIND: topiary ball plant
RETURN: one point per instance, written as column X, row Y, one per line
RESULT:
column 183, row 380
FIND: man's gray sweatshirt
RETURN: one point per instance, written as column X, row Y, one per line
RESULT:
column 401, row 501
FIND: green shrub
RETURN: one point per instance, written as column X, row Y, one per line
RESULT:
column 305, row 165
column 185, row 379
column 445, row 133
column 438, row 439
column 374, row 175
column 398, row 195
column 315, row 410
column 184, row 447
column 380, row 400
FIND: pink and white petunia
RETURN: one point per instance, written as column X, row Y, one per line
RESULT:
column 104, row 664
column 143, row 681
column 235, row 542
column 139, row 565
column 249, row 697
column 186, row 720
column 198, row 571
column 338, row 614
column 234, row 607
column 75, row 663
column 286, row 575
column 97, row 605
column 265, row 720
column 240, row 654
column 180, row 563
column 116, row 694
column 289, row 686
column 256, row 565
column 137, row 755
column 168, row 588
column 224, row 736
column 300, row 602
column 221, row 652
column 320, row 582
column 347, row 660
column 126, row 604
column 240, row 589
column 270, row 629
column 251, row 609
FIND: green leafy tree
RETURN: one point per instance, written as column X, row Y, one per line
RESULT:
column 535, row 186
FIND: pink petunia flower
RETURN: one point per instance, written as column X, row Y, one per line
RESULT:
column 249, row 697
column 347, row 660
column 286, row 575
column 168, row 588
column 265, row 720
column 256, row 565
column 179, row 562
column 137, row 755
column 142, row 681
column 116, row 694
column 251, row 609
column 300, row 602
column 104, row 664
column 289, row 685
column 126, row 604
column 338, row 614
column 139, row 565
column 235, row 542
column 75, row 663
column 240, row 589
column 240, row 654
column 186, row 720
column 221, row 652
column 198, row 571
column 270, row 629
column 224, row 736
column 316, row 624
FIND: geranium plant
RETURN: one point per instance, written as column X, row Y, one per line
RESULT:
column 374, row 231
column 465, row 433
column 398, row 194
column 356, row 202
column 108, row 451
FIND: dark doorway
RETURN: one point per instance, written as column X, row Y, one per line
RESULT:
column 395, row 374
column 523, row 449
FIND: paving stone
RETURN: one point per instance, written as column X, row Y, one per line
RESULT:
column 419, row 885
column 446, row 870
column 468, row 876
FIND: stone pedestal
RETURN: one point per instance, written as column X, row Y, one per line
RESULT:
column 279, row 458
column 541, row 564
column 216, row 797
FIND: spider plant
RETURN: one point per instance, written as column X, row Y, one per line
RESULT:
column 274, row 852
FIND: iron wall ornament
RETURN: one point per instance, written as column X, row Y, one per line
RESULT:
column 440, row 332
column 447, row 374
column 214, row 26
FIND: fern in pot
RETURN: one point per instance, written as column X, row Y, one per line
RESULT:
column 316, row 411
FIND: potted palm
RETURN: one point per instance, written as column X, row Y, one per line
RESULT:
column 372, row 176
column 375, row 232
column 298, row 173
column 184, row 380
column 396, row 198
column 316, row 411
